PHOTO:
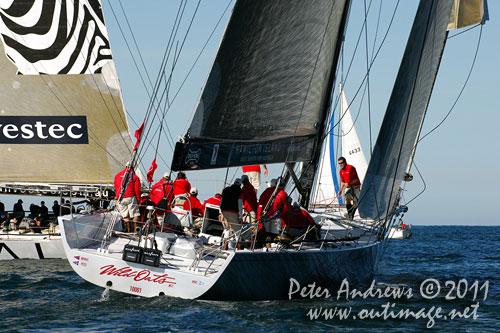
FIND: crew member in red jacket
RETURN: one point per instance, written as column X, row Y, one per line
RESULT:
column 253, row 173
column 249, row 198
column 194, row 204
column 350, row 181
column 215, row 200
column 266, row 195
column 280, row 206
column 299, row 221
column 162, row 194
column 128, row 206
column 181, row 186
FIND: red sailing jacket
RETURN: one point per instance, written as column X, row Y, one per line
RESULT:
column 249, row 197
column 215, row 200
column 181, row 186
column 196, row 207
column 160, row 190
column 281, row 204
column 349, row 175
column 133, row 188
column 251, row 168
column 300, row 219
column 265, row 196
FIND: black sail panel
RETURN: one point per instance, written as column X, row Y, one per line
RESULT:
column 406, row 109
column 270, row 81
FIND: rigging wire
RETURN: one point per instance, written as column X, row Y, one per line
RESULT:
column 368, row 78
column 374, row 56
column 463, row 87
column 423, row 181
column 167, row 81
column 152, row 97
column 132, row 55
column 394, row 178
column 452, row 107
column 371, row 63
column 160, row 77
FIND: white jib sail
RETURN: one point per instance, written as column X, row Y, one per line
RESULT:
column 351, row 150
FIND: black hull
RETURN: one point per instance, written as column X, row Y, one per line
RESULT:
column 266, row 276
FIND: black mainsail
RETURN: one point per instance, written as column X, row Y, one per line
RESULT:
column 266, row 97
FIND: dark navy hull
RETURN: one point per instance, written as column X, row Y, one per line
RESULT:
column 266, row 275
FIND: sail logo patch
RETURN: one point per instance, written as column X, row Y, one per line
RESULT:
column 215, row 152
column 193, row 156
column 43, row 130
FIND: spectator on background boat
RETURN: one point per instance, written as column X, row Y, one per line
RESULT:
column 231, row 207
column 253, row 173
column 65, row 207
column 128, row 206
column 44, row 210
column 350, row 181
column 18, row 210
column 9, row 220
column 249, row 198
column 34, row 211
column 36, row 226
column 56, row 209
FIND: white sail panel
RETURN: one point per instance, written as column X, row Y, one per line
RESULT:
column 351, row 147
column 324, row 188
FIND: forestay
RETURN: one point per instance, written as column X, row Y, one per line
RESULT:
column 61, row 111
column 266, row 96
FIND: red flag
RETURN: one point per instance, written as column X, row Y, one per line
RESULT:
column 138, row 135
column 151, row 171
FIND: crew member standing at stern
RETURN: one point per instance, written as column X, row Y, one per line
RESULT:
column 349, row 180
column 129, row 204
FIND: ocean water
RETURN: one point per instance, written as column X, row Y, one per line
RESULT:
column 47, row 295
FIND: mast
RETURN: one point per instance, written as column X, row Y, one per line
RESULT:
column 309, row 169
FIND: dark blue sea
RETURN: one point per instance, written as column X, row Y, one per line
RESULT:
column 463, row 261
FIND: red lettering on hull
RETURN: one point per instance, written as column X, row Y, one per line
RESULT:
column 137, row 275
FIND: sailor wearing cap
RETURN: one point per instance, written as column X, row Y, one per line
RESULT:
column 195, row 206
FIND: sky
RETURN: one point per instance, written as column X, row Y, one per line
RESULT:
column 458, row 162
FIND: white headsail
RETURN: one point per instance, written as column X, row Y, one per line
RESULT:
column 326, row 190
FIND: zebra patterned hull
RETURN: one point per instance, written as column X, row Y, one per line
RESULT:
column 31, row 247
